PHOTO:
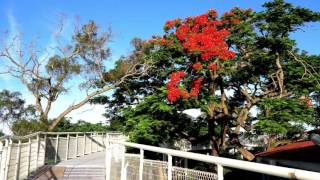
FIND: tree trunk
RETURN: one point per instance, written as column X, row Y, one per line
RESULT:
column 56, row 120
column 213, row 139
column 244, row 152
column 280, row 75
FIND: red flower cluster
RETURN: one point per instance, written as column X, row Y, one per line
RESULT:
column 213, row 66
column 202, row 35
column 196, row 85
column 197, row 66
column 171, row 24
column 174, row 92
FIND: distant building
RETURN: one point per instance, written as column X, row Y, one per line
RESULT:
column 301, row 154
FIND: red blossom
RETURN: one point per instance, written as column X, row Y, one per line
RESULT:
column 213, row 66
column 174, row 93
column 196, row 85
column 197, row 66
column 171, row 24
column 184, row 94
column 201, row 35
column 163, row 41
column 204, row 37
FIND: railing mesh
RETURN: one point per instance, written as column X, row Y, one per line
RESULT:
column 153, row 170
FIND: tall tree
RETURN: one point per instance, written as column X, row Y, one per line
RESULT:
column 83, row 60
column 230, row 65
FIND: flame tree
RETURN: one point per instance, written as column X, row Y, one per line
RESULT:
column 226, row 65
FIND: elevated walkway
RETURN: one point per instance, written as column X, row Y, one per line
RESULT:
column 91, row 167
column 54, row 155
column 105, row 156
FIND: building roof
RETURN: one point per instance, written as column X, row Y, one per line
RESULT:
column 292, row 147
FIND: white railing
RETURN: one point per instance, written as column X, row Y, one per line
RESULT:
column 21, row 156
column 116, row 150
column 155, row 169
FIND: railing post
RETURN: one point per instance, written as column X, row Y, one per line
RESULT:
column 29, row 156
column 169, row 167
column 101, row 141
column 85, row 144
column 123, row 169
column 220, row 172
column 77, row 139
column 8, row 156
column 91, row 142
column 38, row 146
column 18, row 161
column 141, row 164
column 108, row 157
column 57, row 147
column 67, row 148
column 2, row 159
column 44, row 149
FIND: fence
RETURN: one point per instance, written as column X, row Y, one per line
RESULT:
column 20, row 156
column 157, row 170
column 122, row 166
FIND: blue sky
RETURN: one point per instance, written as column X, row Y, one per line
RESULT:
column 128, row 19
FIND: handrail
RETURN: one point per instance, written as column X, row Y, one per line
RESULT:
column 49, row 133
column 220, row 161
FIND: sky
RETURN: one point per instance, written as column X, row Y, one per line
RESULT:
column 38, row 19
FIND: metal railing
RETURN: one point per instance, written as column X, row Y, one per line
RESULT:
column 20, row 156
column 116, row 150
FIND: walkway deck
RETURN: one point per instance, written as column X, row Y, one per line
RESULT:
column 88, row 167
column 91, row 160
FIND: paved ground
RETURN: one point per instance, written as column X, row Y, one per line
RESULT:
column 91, row 160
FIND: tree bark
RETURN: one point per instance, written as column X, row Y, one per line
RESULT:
column 280, row 75
column 213, row 138
column 244, row 152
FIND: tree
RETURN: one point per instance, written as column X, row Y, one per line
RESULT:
column 47, row 77
column 80, row 126
column 228, row 66
column 24, row 127
column 154, row 122
column 21, row 118
column 13, row 107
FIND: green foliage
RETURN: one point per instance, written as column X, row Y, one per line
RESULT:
column 280, row 116
column 25, row 127
column 148, row 123
column 153, row 122
column 80, row 126
column 13, row 108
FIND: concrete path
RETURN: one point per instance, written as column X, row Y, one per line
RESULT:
column 92, row 160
